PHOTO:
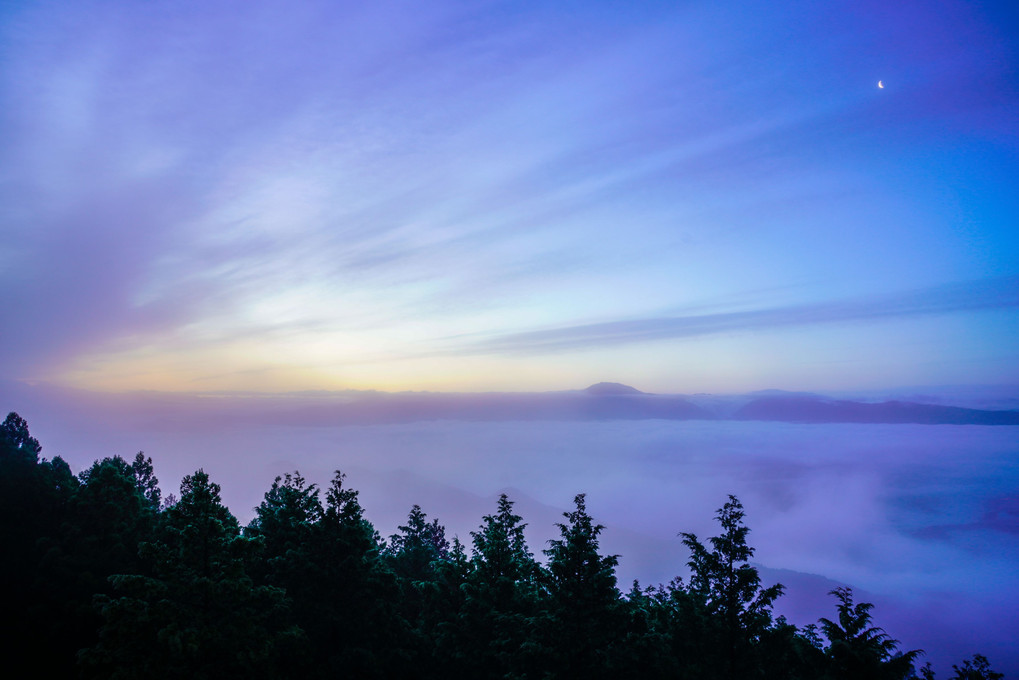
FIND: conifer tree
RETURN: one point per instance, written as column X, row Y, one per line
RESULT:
column 584, row 608
column 146, row 481
column 199, row 615
column 729, row 588
column 497, row 626
column 979, row 668
column 857, row 649
column 109, row 516
column 35, row 494
column 417, row 554
column 347, row 602
column 283, row 527
column 416, row 551
column 445, row 612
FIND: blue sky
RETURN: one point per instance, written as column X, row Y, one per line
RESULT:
column 680, row 196
column 509, row 196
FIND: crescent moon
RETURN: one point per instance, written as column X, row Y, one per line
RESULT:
column 881, row 84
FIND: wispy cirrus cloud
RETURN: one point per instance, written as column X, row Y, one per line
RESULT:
column 206, row 183
column 985, row 294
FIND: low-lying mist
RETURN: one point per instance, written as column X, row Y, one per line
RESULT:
column 923, row 520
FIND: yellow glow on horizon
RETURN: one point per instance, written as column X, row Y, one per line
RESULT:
column 823, row 358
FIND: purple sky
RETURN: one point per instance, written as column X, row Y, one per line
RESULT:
column 268, row 197
column 326, row 195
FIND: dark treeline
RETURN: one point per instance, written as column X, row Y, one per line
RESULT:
column 107, row 579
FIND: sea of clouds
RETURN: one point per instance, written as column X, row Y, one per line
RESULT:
column 922, row 520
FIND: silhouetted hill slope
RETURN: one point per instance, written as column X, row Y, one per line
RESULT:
column 611, row 388
column 601, row 401
column 795, row 409
column 585, row 405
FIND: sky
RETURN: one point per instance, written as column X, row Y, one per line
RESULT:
column 683, row 196
column 222, row 199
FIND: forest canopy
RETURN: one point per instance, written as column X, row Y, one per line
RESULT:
column 107, row 578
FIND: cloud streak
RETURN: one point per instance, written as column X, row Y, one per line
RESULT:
column 987, row 294
column 289, row 186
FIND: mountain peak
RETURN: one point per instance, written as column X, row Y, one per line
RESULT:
column 611, row 388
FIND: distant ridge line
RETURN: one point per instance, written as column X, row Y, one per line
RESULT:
column 603, row 401
column 818, row 410
column 612, row 388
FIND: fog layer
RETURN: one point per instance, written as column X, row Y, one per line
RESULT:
column 922, row 519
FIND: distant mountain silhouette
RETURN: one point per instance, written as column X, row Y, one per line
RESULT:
column 797, row 409
column 601, row 401
column 611, row 388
